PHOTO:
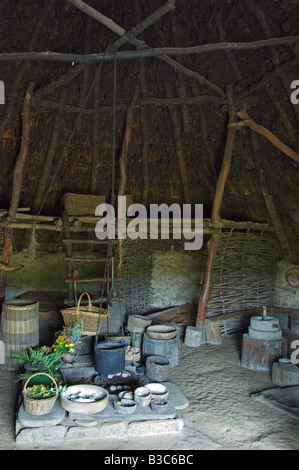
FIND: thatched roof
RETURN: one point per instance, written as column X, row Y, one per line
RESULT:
column 261, row 79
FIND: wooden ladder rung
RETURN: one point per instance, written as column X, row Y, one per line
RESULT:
column 84, row 242
column 86, row 280
column 84, row 260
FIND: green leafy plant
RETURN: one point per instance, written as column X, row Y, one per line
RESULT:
column 48, row 359
column 41, row 392
column 45, row 359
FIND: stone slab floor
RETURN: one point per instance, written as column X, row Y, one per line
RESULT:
column 221, row 414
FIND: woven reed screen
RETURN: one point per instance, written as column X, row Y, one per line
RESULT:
column 244, row 272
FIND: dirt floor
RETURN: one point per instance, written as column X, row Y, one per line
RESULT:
column 221, row 414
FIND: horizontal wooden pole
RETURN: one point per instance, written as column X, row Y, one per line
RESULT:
column 84, row 260
column 144, row 53
column 57, row 227
column 86, row 280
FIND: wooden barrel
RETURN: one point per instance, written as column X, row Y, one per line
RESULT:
column 19, row 329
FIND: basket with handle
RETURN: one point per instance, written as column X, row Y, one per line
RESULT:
column 88, row 314
column 42, row 406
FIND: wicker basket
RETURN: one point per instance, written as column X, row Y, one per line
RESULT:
column 88, row 314
column 81, row 204
column 37, row 407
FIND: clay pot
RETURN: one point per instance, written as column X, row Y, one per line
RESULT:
column 68, row 358
column 142, row 396
column 159, row 405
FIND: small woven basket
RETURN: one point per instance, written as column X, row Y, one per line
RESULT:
column 37, row 407
column 89, row 315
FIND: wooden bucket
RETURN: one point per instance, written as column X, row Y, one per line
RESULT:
column 19, row 329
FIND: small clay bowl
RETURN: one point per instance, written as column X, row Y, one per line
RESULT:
column 126, row 406
column 158, row 390
column 159, row 405
column 142, row 396
column 126, row 394
column 161, row 331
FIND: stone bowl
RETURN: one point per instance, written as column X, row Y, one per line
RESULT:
column 125, row 406
column 161, row 331
column 158, row 390
column 86, row 408
column 284, row 360
column 159, row 405
column 126, row 394
column 142, row 396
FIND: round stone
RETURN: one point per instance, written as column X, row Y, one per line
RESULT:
column 264, row 335
column 270, row 324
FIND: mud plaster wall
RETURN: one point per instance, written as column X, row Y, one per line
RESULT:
column 176, row 278
column 284, row 295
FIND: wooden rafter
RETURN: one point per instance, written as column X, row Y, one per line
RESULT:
column 89, row 59
column 247, row 121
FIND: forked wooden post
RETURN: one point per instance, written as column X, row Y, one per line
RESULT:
column 17, row 186
column 216, row 211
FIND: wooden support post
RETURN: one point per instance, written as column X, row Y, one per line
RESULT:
column 17, row 186
column 18, row 171
column 216, row 212
column 6, row 254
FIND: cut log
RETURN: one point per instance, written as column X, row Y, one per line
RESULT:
column 260, row 354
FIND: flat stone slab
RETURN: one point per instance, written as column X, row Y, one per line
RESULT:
column 176, row 397
column 60, row 426
column 153, row 428
column 176, row 401
column 109, row 414
column 45, row 434
column 51, row 419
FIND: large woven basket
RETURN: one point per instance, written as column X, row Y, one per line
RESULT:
column 37, row 407
column 88, row 314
